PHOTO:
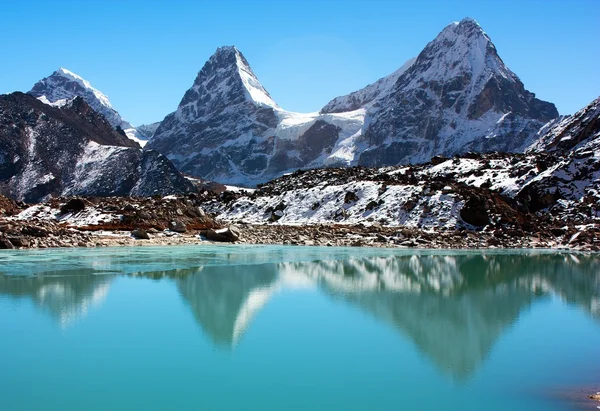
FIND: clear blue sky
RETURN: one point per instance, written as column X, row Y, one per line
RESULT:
column 145, row 54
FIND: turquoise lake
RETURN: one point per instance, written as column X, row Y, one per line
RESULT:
column 298, row 328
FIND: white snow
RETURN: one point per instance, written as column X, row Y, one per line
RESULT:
column 325, row 204
column 89, row 216
column 255, row 90
column 85, row 84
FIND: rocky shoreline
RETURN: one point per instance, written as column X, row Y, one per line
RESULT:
column 180, row 220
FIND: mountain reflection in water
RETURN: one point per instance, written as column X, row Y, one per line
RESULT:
column 453, row 306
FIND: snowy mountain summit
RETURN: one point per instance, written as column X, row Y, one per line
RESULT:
column 64, row 85
column 228, row 128
column 456, row 96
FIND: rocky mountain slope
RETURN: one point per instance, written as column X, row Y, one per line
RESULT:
column 64, row 85
column 72, row 150
column 456, row 96
column 506, row 194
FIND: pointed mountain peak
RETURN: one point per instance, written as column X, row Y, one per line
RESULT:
column 462, row 48
column 466, row 28
column 226, row 78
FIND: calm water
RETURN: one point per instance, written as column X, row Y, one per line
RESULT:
column 293, row 328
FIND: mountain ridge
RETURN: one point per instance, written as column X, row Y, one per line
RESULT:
column 72, row 150
column 456, row 96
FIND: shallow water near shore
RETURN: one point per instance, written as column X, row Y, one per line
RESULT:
column 297, row 328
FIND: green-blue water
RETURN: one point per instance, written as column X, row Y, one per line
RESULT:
column 298, row 328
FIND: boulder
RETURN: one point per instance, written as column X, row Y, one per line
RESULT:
column 34, row 231
column 140, row 234
column 227, row 235
column 74, row 205
column 475, row 213
column 5, row 244
column 177, row 226
column 231, row 233
column 19, row 241
column 212, row 235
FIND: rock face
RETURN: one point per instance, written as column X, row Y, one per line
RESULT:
column 64, row 85
column 72, row 150
column 456, row 96
column 148, row 130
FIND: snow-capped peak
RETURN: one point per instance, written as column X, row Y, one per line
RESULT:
column 85, row 84
column 64, row 85
column 225, row 80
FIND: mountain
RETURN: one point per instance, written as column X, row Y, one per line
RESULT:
column 227, row 128
column 64, row 85
column 148, row 130
column 73, row 150
column 456, row 96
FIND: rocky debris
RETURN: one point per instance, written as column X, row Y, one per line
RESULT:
column 9, row 207
column 379, row 236
column 93, row 221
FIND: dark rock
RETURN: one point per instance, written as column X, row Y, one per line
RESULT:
column 74, row 205
column 212, row 235
column 475, row 213
column 371, row 205
column 5, row 244
column 140, row 234
column 34, row 231
column 177, row 226
column 350, row 197
column 19, row 241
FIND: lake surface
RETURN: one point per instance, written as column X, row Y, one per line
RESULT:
column 298, row 328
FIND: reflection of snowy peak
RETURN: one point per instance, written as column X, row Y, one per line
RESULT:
column 456, row 96
column 67, row 298
column 64, row 85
